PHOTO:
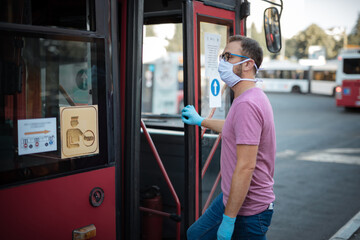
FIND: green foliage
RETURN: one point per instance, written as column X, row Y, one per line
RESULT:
column 175, row 44
column 260, row 37
column 149, row 31
column 354, row 36
column 298, row 46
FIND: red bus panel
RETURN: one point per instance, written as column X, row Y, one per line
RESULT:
column 52, row 209
column 349, row 95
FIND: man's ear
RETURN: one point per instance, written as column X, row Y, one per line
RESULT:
column 249, row 65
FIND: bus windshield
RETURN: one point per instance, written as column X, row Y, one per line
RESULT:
column 351, row 66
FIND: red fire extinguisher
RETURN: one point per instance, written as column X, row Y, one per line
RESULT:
column 152, row 223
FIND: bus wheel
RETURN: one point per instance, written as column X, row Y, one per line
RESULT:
column 295, row 89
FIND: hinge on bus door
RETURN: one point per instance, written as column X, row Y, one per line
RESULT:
column 244, row 9
column 87, row 232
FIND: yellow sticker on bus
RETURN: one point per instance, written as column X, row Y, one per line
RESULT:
column 79, row 131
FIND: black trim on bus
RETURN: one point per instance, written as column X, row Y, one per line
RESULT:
column 189, row 98
column 53, row 176
column 14, row 27
column 230, row 5
column 111, row 77
column 133, row 116
column 116, row 31
column 237, row 29
column 172, row 16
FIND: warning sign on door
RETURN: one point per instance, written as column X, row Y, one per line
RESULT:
column 79, row 131
column 212, row 45
column 36, row 135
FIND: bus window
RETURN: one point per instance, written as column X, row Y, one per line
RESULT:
column 65, row 14
column 162, row 85
column 351, row 66
column 324, row 75
column 221, row 30
column 38, row 75
column 287, row 74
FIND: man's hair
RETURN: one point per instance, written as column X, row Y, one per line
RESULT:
column 250, row 48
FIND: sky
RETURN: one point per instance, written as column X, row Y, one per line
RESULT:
column 297, row 15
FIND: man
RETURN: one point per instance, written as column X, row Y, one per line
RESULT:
column 245, row 207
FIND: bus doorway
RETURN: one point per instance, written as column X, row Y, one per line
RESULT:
column 178, row 165
column 173, row 76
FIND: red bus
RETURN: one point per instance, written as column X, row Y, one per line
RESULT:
column 80, row 115
column 348, row 79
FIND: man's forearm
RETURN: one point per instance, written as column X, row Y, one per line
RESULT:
column 241, row 179
column 213, row 124
column 240, row 184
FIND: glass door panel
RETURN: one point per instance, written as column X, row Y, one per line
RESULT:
column 213, row 27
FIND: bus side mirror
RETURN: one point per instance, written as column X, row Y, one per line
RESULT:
column 272, row 29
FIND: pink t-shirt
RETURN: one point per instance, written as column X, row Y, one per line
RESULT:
column 250, row 121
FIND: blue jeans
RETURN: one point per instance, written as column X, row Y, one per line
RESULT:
column 246, row 227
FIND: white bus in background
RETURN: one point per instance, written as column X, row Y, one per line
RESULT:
column 323, row 78
column 284, row 76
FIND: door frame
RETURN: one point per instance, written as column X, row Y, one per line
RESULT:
column 192, row 12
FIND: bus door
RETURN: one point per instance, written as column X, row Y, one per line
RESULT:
column 212, row 24
column 57, row 165
column 173, row 51
column 165, row 190
column 161, row 173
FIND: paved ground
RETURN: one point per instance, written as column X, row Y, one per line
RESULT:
column 317, row 177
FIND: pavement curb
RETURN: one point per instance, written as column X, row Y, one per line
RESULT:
column 348, row 229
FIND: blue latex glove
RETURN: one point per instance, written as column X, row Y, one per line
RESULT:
column 190, row 116
column 226, row 228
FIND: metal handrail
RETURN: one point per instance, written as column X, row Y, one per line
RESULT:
column 217, row 180
column 211, row 155
column 168, row 182
column 66, row 95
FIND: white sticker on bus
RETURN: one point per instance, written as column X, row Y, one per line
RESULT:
column 37, row 135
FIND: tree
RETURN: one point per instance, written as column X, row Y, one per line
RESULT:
column 354, row 36
column 298, row 46
column 259, row 37
column 175, row 44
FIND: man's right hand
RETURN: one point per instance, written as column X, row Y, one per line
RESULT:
column 190, row 116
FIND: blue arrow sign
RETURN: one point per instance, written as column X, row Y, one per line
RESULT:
column 215, row 87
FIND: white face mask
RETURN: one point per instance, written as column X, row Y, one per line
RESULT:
column 228, row 76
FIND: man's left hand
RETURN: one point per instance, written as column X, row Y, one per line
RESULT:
column 226, row 228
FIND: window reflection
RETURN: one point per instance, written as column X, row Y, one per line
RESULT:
column 162, row 89
column 37, row 76
column 221, row 30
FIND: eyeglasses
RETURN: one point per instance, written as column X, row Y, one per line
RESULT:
column 226, row 56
